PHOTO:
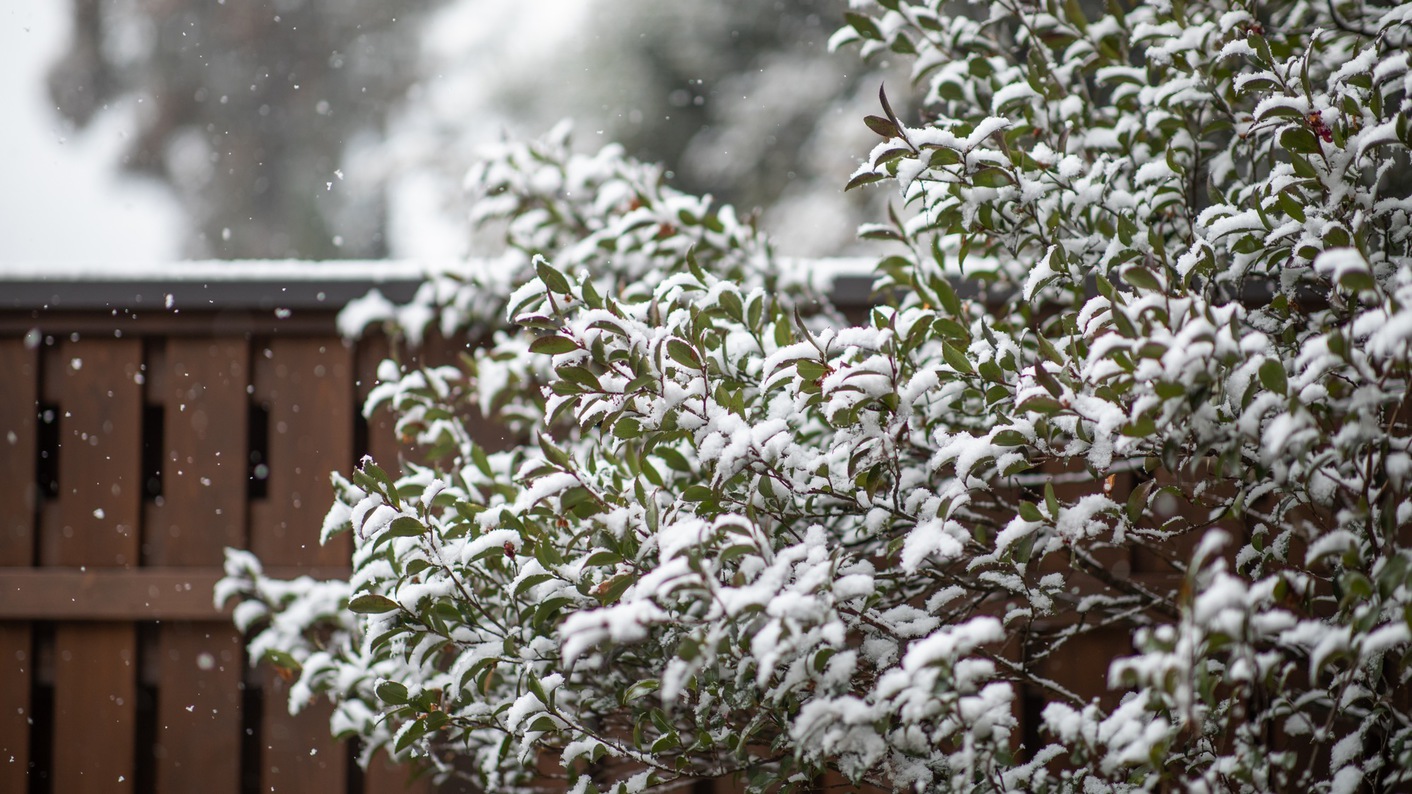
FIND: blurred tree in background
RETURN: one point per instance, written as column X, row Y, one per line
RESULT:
column 252, row 112
column 249, row 108
column 753, row 102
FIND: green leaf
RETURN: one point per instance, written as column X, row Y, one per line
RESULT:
column 942, row 157
column 523, row 585
column 991, row 177
column 1137, row 501
column 416, row 730
column 1298, row 139
column 1040, row 405
column 1142, row 278
column 1291, row 205
column 730, row 302
column 609, row 592
column 1140, row 427
column 282, row 660
column 682, row 353
column 674, row 459
column 372, row 604
column 405, row 527
column 392, row 693
column 553, row 280
column 866, row 27
column 553, row 453
column 1046, row 379
column 864, row 178
column 882, row 126
column 956, row 359
column 553, row 344
column 1009, row 438
column 627, row 428
column 580, row 376
column 1272, row 376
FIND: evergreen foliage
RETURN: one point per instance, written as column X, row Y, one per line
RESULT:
column 1151, row 300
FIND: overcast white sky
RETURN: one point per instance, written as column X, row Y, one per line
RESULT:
column 61, row 199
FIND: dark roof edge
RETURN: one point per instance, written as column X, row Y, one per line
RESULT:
column 271, row 286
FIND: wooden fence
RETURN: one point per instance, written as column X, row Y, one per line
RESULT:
column 142, row 435
column 149, row 422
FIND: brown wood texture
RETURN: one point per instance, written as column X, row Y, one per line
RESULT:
column 19, row 383
column 97, row 383
column 97, row 386
column 201, row 387
column 199, row 718
column 1082, row 665
column 140, row 594
column 384, row 777
column 308, row 386
column 95, row 705
column 16, row 675
column 297, row 753
column 204, row 467
column 157, row 322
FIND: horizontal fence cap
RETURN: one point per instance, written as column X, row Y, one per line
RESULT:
column 289, row 284
column 202, row 286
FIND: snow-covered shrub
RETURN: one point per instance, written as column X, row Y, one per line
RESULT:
column 1160, row 255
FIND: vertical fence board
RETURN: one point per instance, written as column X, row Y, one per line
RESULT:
column 16, row 671
column 382, row 430
column 297, row 751
column 384, row 777
column 99, row 508
column 204, row 471
column 1082, row 667
column 100, row 437
column 95, row 696
column 19, row 384
column 308, row 386
column 198, row 709
column 18, row 491
column 202, row 389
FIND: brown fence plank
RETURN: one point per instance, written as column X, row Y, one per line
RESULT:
column 204, row 473
column 16, row 672
column 384, row 777
column 100, row 437
column 97, row 386
column 298, row 753
column 198, row 709
column 308, row 385
column 383, row 445
column 95, row 702
column 203, row 393
column 1082, row 667
column 19, row 383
